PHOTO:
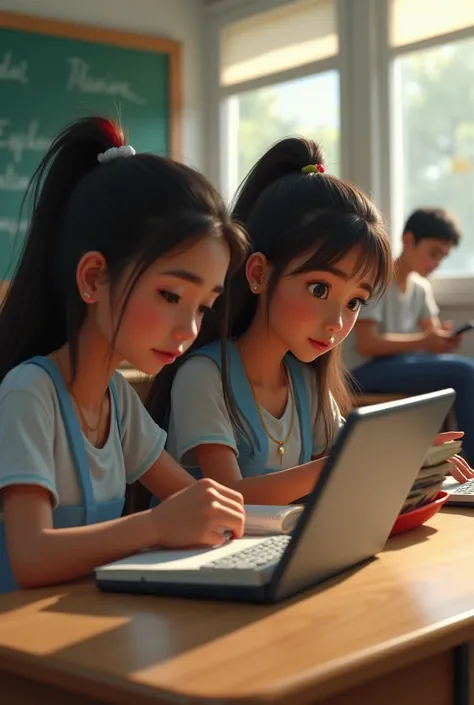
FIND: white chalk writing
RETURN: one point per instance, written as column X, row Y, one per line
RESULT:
column 81, row 79
column 9, row 71
column 12, row 226
column 19, row 142
column 10, row 180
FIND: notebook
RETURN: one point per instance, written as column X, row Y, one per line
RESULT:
column 266, row 519
column 346, row 521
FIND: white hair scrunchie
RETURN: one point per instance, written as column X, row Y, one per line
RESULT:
column 114, row 152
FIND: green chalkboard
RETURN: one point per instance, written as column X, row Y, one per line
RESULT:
column 52, row 73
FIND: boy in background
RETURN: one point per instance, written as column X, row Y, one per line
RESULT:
column 398, row 344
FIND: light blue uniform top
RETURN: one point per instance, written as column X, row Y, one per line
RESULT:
column 42, row 444
column 199, row 415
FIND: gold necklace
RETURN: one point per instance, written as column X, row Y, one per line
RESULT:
column 91, row 429
column 279, row 442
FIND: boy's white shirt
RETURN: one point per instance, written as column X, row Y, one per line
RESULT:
column 395, row 312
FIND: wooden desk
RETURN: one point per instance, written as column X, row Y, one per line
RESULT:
column 384, row 635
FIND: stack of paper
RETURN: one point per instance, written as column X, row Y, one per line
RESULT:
column 432, row 475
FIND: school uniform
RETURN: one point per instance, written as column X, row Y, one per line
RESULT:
column 42, row 444
column 198, row 415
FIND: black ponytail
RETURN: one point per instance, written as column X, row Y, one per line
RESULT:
column 33, row 318
column 286, row 157
column 289, row 211
column 132, row 210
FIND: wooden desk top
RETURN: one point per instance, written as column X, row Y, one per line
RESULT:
column 406, row 604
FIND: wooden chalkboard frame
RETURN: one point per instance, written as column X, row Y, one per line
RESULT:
column 100, row 35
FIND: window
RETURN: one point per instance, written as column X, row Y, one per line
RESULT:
column 433, row 110
column 261, row 103
column 307, row 106
column 292, row 35
column 435, row 96
column 414, row 20
column 386, row 86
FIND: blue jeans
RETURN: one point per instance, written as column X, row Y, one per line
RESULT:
column 418, row 373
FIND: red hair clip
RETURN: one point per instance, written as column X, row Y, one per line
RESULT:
column 313, row 169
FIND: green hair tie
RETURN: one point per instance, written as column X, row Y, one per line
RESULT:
column 313, row 169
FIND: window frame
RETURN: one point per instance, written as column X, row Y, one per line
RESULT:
column 219, row 115
column 368, row 121
column 450, row 289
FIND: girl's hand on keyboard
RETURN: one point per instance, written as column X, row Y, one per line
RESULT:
column 460, row 469
column 198, row 515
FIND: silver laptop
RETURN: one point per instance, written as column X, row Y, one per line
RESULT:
column 347, row 518
column 459, row 494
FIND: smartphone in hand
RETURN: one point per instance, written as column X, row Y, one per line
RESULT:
column 464, row 328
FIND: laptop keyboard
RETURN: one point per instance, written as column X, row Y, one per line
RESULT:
column 265, row 553
column 466, row 488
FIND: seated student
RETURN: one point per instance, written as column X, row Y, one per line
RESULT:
column 399, row 344
column 254, row 417
column 124, row 256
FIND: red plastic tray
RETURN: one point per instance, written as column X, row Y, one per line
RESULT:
column 420, row 515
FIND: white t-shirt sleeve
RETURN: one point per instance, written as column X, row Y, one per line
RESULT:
column 27, row 440
column 429, row 307
column 142, row 439
column 198, row 411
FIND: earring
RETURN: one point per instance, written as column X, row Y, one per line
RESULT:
column 86, row 295
column 255, row 287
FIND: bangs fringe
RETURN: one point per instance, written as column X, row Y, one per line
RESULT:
column 354, row 235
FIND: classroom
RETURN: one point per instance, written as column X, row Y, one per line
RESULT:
column 237, row 352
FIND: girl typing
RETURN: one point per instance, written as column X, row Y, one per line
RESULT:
column 125, row 255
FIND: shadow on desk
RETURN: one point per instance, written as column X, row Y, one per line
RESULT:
column 394, row 632
column 419, row 535
column 423, row 533
column 142, row 631
column 466, row 511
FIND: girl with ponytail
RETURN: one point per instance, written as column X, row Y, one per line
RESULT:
column 259, row 411
column 125, row 255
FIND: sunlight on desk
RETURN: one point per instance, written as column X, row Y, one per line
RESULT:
column 352, row 640
column 30, row 628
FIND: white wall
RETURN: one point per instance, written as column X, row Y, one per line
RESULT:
column 181, row 20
